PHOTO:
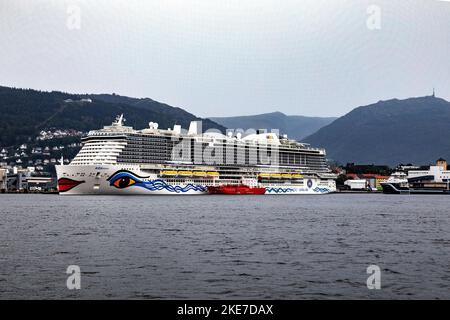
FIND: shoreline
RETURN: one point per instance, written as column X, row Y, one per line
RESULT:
column 28, row 192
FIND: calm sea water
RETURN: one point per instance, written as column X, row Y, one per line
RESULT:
column 227, row 247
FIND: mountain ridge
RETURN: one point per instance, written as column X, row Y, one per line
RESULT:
column 295, row 126
column 414, row 130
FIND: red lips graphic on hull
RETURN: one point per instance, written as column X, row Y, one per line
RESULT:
column 65, row 184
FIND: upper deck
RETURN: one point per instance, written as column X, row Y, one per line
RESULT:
column 118, row 143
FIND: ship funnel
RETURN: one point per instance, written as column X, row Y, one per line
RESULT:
column 177, row 129
column 119, row 120
column 195, row 128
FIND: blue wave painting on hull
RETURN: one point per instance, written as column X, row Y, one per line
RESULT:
column 157, row 185
column 124, row 179
column 280, row 190
column 321, row 190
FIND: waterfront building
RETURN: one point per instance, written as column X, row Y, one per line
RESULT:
column 434, row 180
column 373, row 180
column 3, row 179
column 437, row 173
column 25, row 179
column 379, row 180
column 357, row 184
column 17, row 181
column 40, row 183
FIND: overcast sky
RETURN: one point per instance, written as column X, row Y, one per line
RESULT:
column 231, row 57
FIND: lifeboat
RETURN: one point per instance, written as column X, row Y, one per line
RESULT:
column 168, row 172
column 185, row 173
column 236, row 189
column 199, row 173
column 264, row 175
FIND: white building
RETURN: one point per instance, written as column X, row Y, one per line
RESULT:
column 356, row 184
column 437, row 173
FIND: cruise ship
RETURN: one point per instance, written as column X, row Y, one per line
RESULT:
column 120, row 160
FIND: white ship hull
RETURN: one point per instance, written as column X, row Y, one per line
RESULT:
column 99, row 180
column 315, row 189
column 131, row 180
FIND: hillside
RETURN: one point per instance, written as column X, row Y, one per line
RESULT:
column 415, row 130
column 296, row 127
column 25, row 112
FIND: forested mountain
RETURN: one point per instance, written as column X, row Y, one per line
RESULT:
column 24, row 112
